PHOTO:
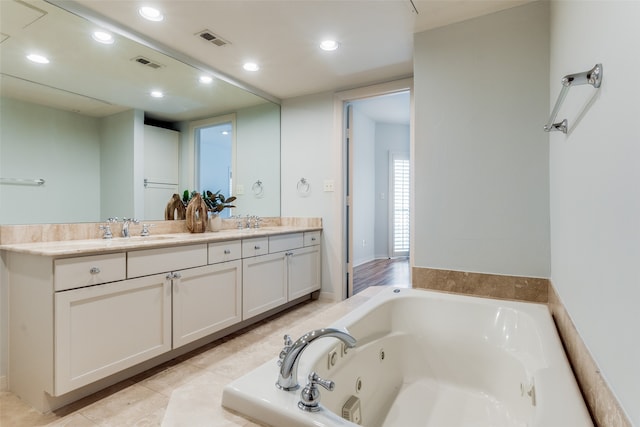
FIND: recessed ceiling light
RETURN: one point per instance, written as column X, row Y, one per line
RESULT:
column 102, row 37
column 251, row 66
column 329, row 45
column 206, row 79
column 38, row 58
column 151, row 13
column 157, row 94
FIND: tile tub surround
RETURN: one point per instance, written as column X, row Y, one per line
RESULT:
column 482, row 285
column 603, row 406
column 187, row 391
column 32, row 233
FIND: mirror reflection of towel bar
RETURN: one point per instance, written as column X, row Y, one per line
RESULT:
column 592, row 77
column 25, row 181
column 148, row 182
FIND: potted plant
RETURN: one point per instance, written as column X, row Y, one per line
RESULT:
column 216, row 203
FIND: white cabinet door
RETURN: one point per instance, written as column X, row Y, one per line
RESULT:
column 206, row 300
column 303, row 267
column 103, row 329
column 264, row 283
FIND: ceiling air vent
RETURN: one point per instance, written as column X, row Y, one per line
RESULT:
column 210, row 37
column 147, row 62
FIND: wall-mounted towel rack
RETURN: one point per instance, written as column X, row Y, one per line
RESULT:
column 23, row 181
column 592, row 77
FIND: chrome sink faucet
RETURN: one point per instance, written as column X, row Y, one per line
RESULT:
column 125, row 225
column 290, row 355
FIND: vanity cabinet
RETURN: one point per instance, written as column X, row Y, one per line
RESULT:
column 75, row 320
column 264, row 283
column 290, row 270
column 101, row 330
column 206, row 300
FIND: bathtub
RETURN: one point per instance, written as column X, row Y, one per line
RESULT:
column 427, row 359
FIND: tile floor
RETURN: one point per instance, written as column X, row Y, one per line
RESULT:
column 186, row 391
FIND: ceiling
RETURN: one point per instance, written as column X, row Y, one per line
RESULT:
column 375, row 36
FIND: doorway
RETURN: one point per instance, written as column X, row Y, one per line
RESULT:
column 214, row 140
column 377, row 178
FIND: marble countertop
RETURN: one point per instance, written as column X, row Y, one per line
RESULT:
column 119, row 244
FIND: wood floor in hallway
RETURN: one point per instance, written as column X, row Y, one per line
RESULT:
column 382, row 272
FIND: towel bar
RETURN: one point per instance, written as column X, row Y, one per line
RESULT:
column 592, row 77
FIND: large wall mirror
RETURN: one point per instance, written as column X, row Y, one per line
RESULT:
column 82, row 138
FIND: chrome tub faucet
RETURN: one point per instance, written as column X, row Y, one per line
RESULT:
column 290, row 354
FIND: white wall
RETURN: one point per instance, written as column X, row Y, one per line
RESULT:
column 257, row 142
column 481, row 158
column 364, row 186
column 389, row 138
column 595, row 187
column 60, row 147
column 310, row 151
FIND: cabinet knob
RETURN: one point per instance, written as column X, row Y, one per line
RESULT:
column 169, row 276
column 313, row 239
column 94, row 270
column 227, row 251
column 177, row 276
column 256, row 247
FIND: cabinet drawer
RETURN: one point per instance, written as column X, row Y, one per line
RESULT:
column 161, row 260
column 311, row 238
column 225, row 251
column 285, row 242
column 255, row 247
column 70, row 273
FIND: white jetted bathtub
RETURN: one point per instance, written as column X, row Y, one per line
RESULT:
column 427, row 359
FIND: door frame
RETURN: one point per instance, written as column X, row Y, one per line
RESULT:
column 340, row 101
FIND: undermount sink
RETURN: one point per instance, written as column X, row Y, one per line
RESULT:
column 149, row 238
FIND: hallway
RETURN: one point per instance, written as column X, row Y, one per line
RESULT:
column 382, row 272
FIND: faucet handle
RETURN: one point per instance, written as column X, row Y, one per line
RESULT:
column 107, row 231
column 310, row 395
column 287, row 346
column 145, row 229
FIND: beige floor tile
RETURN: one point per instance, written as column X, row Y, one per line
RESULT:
column 133, row 406
column 15, row 412
column 167, row 380
column 198, row 403
column 73, row 420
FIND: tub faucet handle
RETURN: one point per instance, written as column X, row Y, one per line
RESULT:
column 287, row 346
column 310, row 395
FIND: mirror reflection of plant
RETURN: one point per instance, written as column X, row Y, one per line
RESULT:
column 216, row 202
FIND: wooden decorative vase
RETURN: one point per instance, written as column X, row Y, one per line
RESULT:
column 196, row 215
